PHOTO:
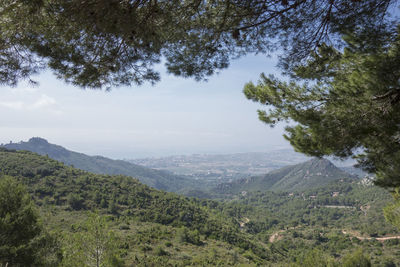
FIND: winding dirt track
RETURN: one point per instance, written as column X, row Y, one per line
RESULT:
column 358, row 236
column 275, row 236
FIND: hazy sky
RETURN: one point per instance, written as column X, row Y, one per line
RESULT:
column 176, row 116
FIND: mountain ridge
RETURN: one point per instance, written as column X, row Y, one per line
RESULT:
column 312, row 173
column 158, row 179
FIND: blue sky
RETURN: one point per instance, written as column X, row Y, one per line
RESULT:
column 176, row 116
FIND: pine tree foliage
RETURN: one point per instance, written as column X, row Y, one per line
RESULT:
column 23, row 241
column 103, row 43
column 344, row 103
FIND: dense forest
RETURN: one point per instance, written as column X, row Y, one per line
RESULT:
column 143, row 226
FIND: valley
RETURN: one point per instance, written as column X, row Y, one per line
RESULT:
column 214, row 169
column 275, row 219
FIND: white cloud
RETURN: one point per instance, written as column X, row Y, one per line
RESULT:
column 42, row 102
column 17, row 105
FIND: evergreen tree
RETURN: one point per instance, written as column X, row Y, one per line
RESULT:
column 23, row 241
column 95, row 245
column 344, row 103
column 102, row 43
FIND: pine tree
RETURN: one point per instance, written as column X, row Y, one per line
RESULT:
column 95, row 245
column 103, row 43
column 343, row 103
column 23, row 240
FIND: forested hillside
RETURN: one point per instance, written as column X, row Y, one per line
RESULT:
column 65, row 194
column 97, row 164
column 332, row 220
column 313, row 173
column 155, row 228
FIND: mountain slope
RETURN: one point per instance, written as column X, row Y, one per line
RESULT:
column 65, row 194
column 312, row 173
column 158, row 179
column 52, row 182
column 155, row 228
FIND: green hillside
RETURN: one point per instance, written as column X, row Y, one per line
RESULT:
column 312, row 173
column 65, row 194
column 156, row 228
column 333, row 219
column 51, row 182
column 162, row 180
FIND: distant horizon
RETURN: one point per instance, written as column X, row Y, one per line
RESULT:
column 272, row 148
column 176, row 116
column 337, row 162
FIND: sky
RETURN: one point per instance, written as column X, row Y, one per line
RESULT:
column 175, row 116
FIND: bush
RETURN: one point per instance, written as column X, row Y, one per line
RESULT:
column 75, row 201
column 356, row 259
column 160, row 251
column 186, row 236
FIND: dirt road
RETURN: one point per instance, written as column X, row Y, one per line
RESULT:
column 360, row 237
